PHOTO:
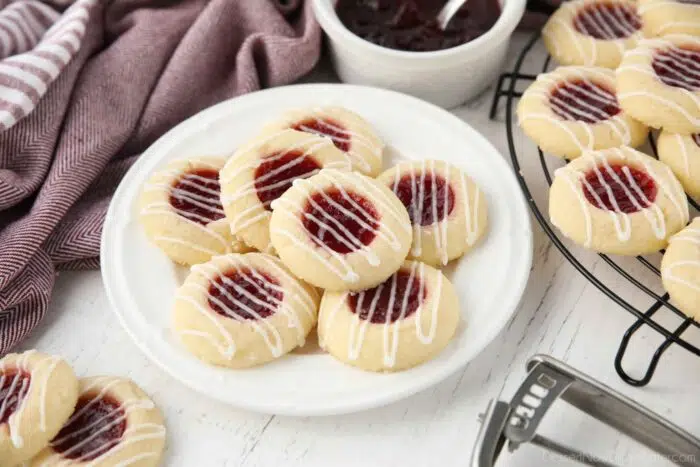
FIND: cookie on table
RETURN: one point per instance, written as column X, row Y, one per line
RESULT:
column 680, row 269
column 405, row 321
column 662, row 17
column 350, row 133
column 239, row 311
column 618, row 201
column 574, row 109
column 182, row 214
column 340, row 230
column 592, row 32
column 682, row 154
column 447, row 209
column 658, row 83
column 37, row 395
column 260, row 171
column 114, row 424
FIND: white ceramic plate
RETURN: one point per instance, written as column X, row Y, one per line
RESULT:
column 140, row 281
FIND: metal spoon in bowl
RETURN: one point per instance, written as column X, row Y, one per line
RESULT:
column 448, row 11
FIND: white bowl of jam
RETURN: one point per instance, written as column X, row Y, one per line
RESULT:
column 397, row 44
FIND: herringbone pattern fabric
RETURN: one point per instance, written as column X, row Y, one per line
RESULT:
column 84, row 90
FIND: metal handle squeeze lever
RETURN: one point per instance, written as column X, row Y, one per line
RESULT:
column 548, row 380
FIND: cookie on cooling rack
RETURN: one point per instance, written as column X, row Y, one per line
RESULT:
column 658, row 83
column 682, row 154
column 447, row 209
column 680, row 269
column 574, row 109
column 240, row 311
column 663, row 17
column 350, row 133
column 592, row 32
column 182, row 214
column 340, row 230
column 403, row 322
column 618, row 201
column 114, row 424
column 37, row 395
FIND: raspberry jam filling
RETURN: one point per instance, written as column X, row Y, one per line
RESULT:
column 619, row 188
column 96, row 426
column 245, row 294
column 342, row 221
column 428, row 198
column 396, row 298
column 195, row 196
column 678, row 67
column 608, row 21
column 583, row 100
column 326, row 127
column 412, row 24
column 14, row 386
column 277, row 171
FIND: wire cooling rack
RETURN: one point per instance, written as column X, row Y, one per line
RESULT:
column 646, row 316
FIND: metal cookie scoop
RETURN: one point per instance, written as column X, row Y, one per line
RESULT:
column 516, row 422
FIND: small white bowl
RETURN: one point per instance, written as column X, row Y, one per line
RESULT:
column 447, row 78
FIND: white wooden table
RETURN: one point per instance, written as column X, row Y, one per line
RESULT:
column 561, row 314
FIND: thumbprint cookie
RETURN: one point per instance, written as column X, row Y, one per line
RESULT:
column 350, row 133
column 239, row 311
column 259, row 172
column 574, row 109
column 182, row 214
column 592, row 32
column 114, row 424
column 448, row 211
column 403, row 322
column 663, row 17
column 658, row 83
column 37, row 395
column 680, row 269
column 340, row 230
column 682, row 154
column 618, row 201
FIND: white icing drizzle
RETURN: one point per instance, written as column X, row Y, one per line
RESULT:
column 603, row 21
column 681, row 64
column 262, row 297
column 684, row 154
column 390, row 330
column 440, row 227
column 133, row 433
column 22, row 365
column 322, row 116
column 335, row 228
column 621, row 220
column 647, row 48
column 165, row 208
column 257, row 211
column 591, row 19
column 573, row 115
column 689, row 235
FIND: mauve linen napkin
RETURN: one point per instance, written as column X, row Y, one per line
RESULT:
column 86, row 86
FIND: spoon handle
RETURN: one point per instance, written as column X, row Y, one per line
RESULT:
column 448, row 11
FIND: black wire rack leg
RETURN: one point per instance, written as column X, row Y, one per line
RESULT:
column 503, row 89
column 653, row 363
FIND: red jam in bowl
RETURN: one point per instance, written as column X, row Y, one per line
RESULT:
column 411, row 25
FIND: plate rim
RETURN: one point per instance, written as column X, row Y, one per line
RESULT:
column 111, row 221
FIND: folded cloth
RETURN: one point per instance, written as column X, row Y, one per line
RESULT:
column 86, row 87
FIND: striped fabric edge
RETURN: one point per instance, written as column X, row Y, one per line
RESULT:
column 25, row 77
